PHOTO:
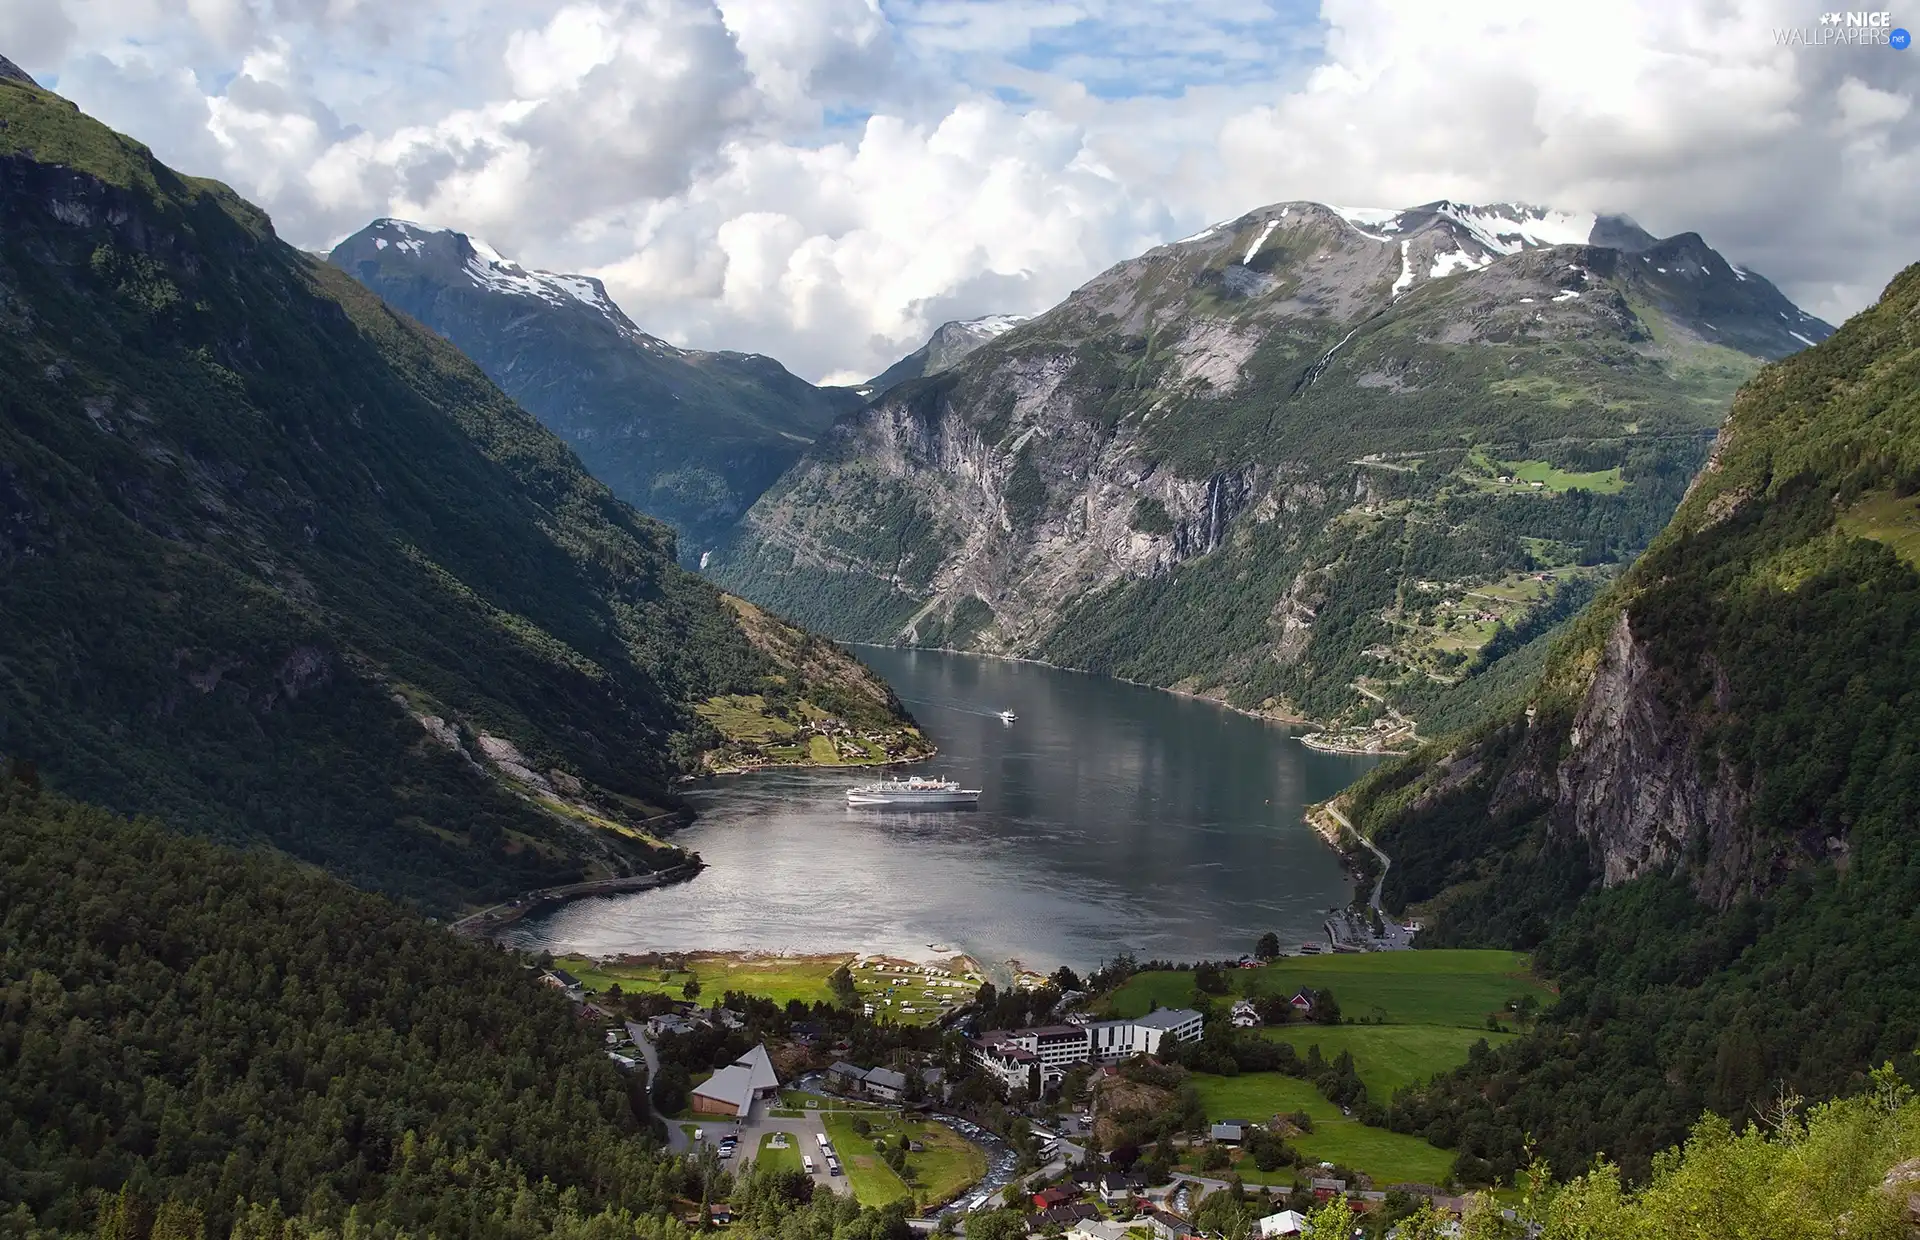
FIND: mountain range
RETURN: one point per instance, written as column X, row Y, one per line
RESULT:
column 281, row 566
column 686, row 436
column 1318, row 462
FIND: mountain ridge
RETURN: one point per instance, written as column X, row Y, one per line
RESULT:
column 1154, row 454
column 283, row 567
column 689, row 436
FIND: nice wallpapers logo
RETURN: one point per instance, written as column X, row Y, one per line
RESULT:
column 1857, row 29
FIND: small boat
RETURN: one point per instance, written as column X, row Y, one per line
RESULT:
column 1007, row 716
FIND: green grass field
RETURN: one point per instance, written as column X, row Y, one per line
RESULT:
column 1603, row 481
column 1444, row 987
column 787, row 1159
column 947, row 1164
column 1885, row 518
column 1431, row 1005
column 779, row 978
column 1389, row 1157
column 1389, row 1057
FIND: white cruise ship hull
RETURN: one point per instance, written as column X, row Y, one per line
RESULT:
column 932, row 798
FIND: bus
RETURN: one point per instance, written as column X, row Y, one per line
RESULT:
column 821, row 1137
column 806, row 1160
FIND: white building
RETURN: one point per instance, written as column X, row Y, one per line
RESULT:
column 1285, row 1223
column 1056, row 1049
column 1114, row 1040
column 1005, row 1062
column 1243, row 1015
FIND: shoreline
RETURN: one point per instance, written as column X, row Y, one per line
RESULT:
column 1298, row 721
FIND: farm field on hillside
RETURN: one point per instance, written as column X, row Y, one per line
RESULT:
column 1408, row 1015
column 1389, row 1157
column 1389, row 1057
column 1446, row 987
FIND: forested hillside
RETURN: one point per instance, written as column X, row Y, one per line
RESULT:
column 1704, row 821
column 277, row 564
column 200, row 1043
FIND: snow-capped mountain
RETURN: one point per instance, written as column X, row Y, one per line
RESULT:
column 488, row 269
column 691, row 437
column 1255, row 461
column 949, row 344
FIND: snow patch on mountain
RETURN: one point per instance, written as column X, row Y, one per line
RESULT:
column 1360, row 218
column 1508, row 228
column 492, row 270
column 1445, row 265
column 994, row 324
column 1259, row 241
column 1405, row 280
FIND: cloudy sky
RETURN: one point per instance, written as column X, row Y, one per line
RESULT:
column 826, row 180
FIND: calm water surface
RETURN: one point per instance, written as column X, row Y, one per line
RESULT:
column 1112, row 818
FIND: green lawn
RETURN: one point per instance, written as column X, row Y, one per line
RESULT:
column 787, row 1159
column 778, row 978
column 1389, row 1157
column 948, row 1164
column 1431, row 1005
column 1444, row 987
column 1389, row 1057
column 796, row 1100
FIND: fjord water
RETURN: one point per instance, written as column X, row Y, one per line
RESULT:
column 1112, row 818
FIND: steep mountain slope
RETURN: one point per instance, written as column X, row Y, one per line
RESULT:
column 951, row 343
column 689, row 437
column 1305, row 460
column 281, row 566
column 1704, row 817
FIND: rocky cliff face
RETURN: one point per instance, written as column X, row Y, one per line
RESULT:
column 1389, row 413
column 688, row 436
column 1715, row 711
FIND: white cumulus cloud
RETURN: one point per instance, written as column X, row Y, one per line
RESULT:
column 826, row 180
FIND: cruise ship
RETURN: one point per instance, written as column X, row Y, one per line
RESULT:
column 913, row 793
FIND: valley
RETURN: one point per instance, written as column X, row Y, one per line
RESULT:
column 1436, row 685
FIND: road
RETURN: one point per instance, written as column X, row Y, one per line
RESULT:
column 1397, row 936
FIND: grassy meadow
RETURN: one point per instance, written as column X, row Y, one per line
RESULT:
column 1411, row 1014
column 947, row 1163
column 1389, row 1157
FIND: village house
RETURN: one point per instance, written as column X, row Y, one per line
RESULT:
column 1069, row 1215
column 1285, row 1223
column 1090, row 1226
column 1057, row 1195
column 886, row 1084
column 1302, row 1001
column 1167, row 1225
column 566, row 983
column 1229, row 1131
column 1243, row 1014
